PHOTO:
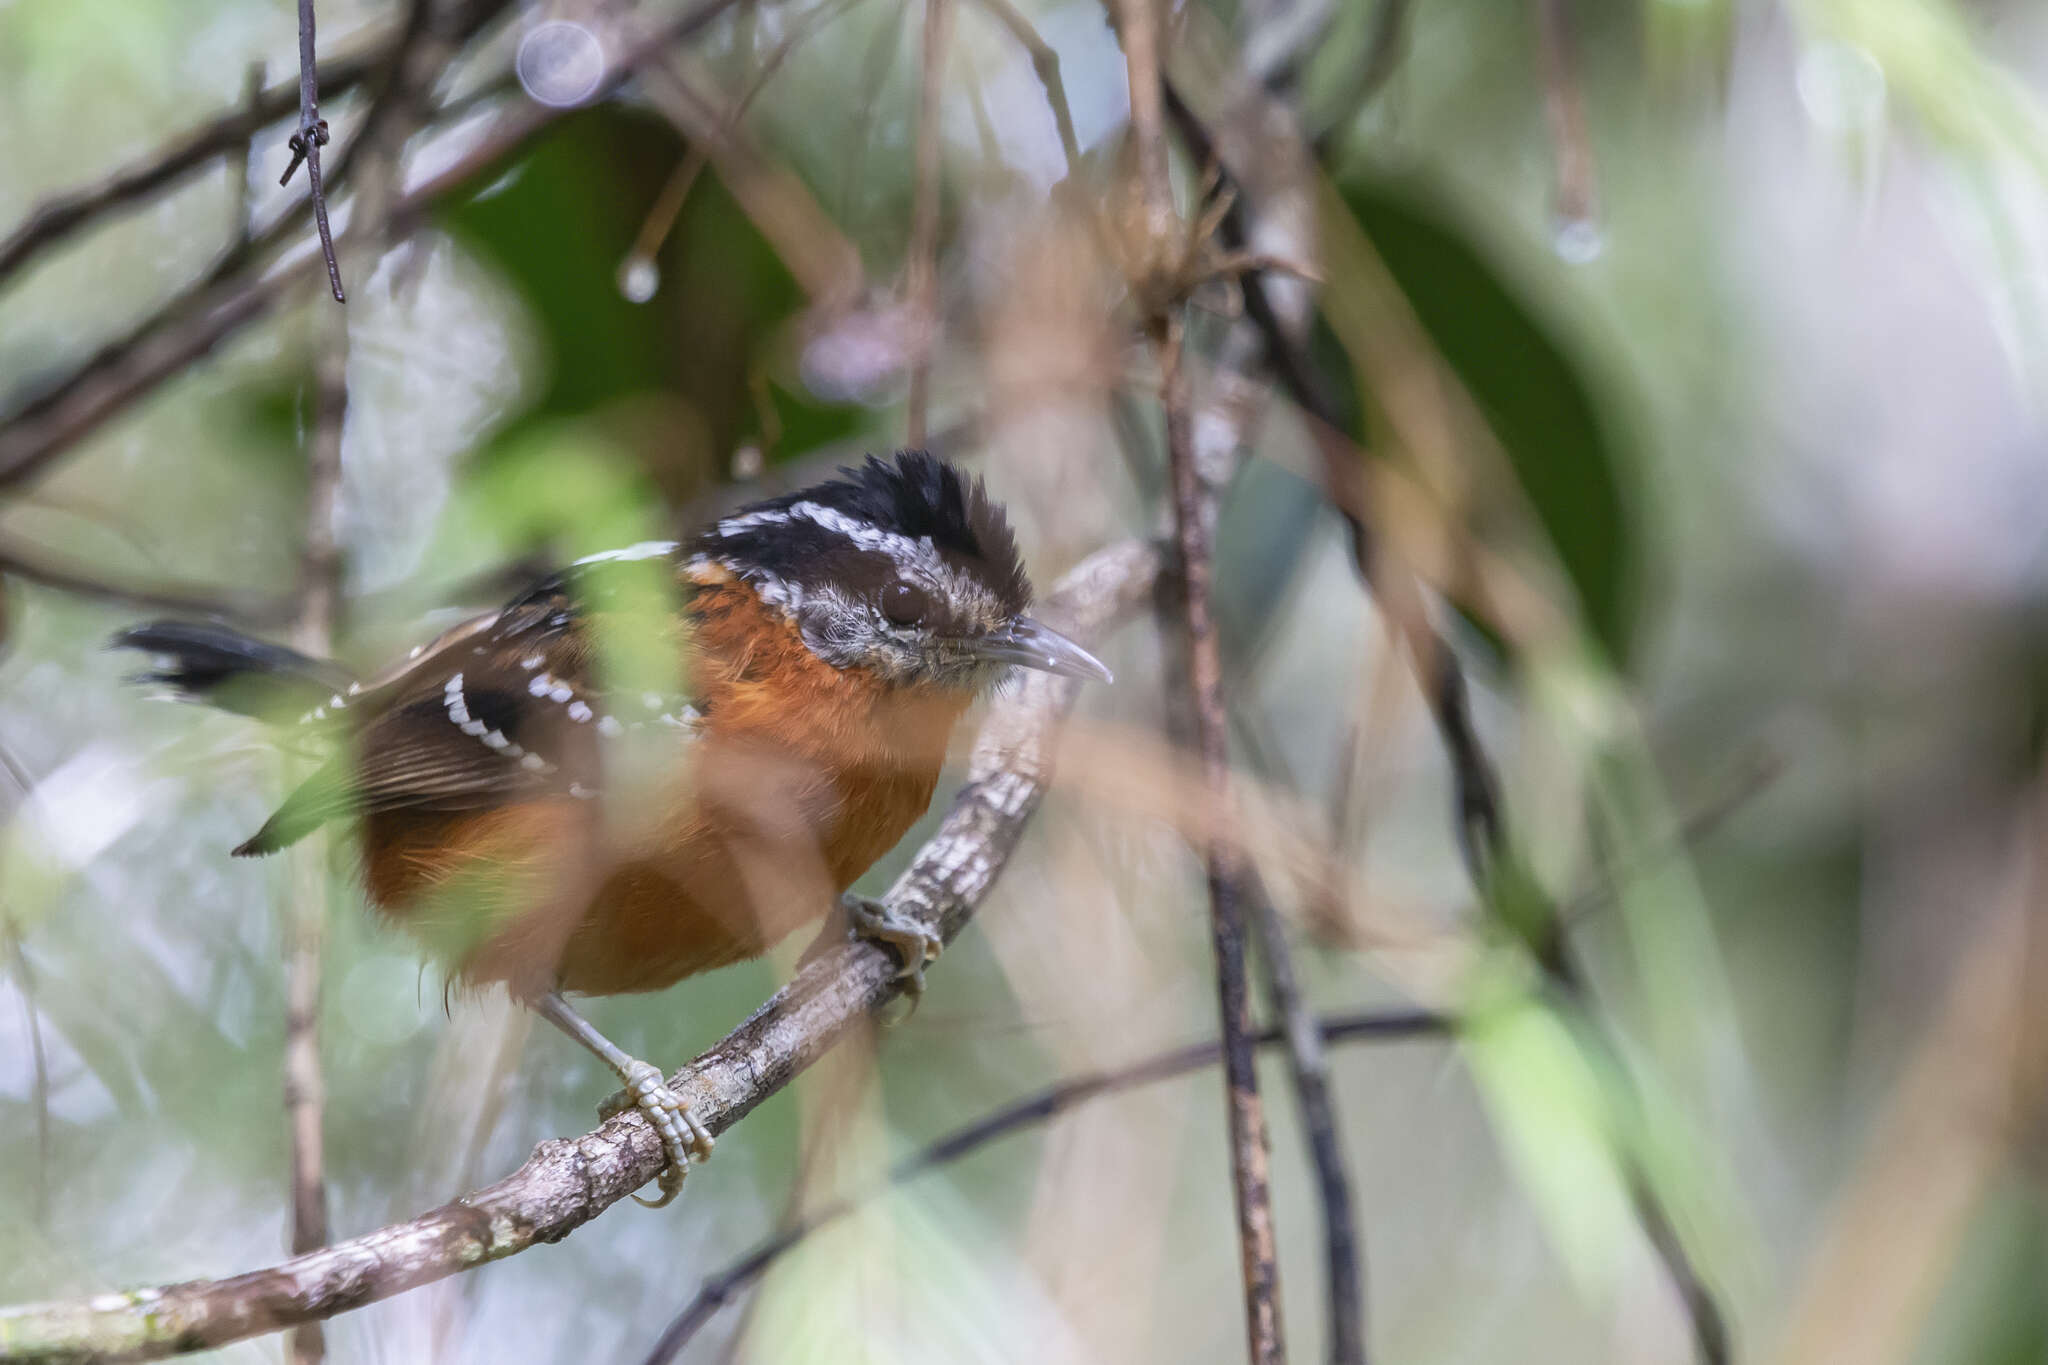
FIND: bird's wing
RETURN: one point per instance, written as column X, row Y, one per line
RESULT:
column 504, row 707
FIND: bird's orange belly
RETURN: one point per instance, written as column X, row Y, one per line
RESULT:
column 537, row 896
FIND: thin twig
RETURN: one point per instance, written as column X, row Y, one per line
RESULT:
column 668, row 204
column 565, row 1184
column 1159, row 255
column 1250, row 1151
column 1045, row 63
column 309, row 139
column 824, row 262
column 921, row 277
column 1343, row 1264
column 719, row 1290
column 1576, row 205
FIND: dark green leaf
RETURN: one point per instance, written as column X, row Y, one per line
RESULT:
column 1538, row 395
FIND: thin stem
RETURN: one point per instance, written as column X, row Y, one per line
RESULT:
column 1343, row 1260
column 1048, row 1104
column 921, row 278
column 661, row 219
column 1564, row 109
column 307, row 142
column 1045, row 64
column 1249, row 1148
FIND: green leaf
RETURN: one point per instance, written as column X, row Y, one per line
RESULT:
column 1557, row 1131
column 1537, row 395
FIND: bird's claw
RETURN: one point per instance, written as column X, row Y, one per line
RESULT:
column 682, row 1134
column 913, row 942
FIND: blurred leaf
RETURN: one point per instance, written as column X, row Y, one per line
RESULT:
column 1992, row 1312
column 1550, row 1107
column 1530, row 387
column 1927, row 52
column 674, row 379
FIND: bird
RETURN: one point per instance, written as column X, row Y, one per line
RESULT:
column 661, row 759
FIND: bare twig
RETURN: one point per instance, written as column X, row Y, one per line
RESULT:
column 1045, row 63
column 565, row 1184
column 1046, row 1105
column 1250, row 1153
column 1305, row 1036
column 824, row 262
column 200, row 318
column 1576, row 205
column 1158, row 263
column 921, row 279
column 309, row 139
column 661, row 218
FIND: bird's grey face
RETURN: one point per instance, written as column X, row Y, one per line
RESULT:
column 905, row 571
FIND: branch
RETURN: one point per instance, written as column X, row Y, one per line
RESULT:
column 565, row 1183
column 1194, row 518
column 309, row 139
column 1046, row 1105
column 1306, row 1038
column 193, row 323
column 1249, row 1148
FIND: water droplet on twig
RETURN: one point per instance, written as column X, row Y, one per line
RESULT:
column 638, row 278
column 1578, row 240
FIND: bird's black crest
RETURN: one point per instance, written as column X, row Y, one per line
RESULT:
column 916, row 495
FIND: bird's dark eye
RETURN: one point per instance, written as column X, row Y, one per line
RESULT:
column 905, row 604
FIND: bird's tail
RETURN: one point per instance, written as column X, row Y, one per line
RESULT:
column 222, row 667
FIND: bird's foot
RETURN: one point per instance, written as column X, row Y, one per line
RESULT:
column 916, row 945
column 682, row 1134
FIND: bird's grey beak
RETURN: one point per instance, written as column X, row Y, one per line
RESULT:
column 1030, row 644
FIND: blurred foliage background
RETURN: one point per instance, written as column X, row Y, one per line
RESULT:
column 1734, row 507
